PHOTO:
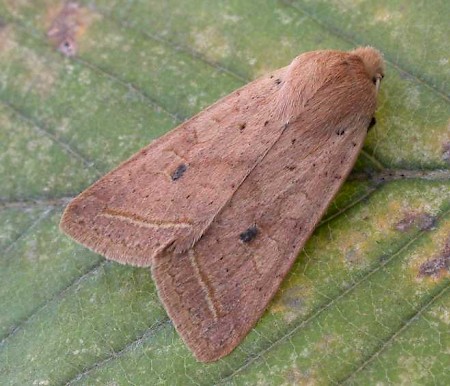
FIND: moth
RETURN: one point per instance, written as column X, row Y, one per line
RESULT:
column 220, row 206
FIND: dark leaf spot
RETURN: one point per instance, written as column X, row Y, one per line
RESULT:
column 292, row 299
column 68, row 48
column 178, row 173
column 426, row 222
column 422, row 221
column 67, row 26
column 249, row 234
column 435, row 266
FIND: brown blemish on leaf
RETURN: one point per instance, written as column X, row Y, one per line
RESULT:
column 423, row 221
column 446, row 152
column 437, row 266
column 325, row 344
column 353, row 256
column 67, row 24
column 292, row 298
column 426, row 222
column 293, row 376
column 292, row 302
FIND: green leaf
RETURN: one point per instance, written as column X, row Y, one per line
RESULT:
column 367, row 300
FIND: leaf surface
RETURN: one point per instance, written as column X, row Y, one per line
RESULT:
column 367, row 299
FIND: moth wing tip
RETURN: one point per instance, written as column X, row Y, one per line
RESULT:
column 66, row 221
column 81, row 233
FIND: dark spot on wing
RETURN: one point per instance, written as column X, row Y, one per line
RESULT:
column 340, row 131
column 249, row 234
column 178, row 173
column 278, row 81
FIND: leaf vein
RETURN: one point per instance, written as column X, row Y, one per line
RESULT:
column 407, row 323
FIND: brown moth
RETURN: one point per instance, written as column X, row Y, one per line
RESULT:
column 220, row 207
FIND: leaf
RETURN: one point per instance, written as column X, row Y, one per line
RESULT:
column 367, row 300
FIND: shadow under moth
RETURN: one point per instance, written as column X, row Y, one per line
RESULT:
column 220, row 206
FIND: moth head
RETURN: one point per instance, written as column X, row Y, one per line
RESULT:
column 373, row 62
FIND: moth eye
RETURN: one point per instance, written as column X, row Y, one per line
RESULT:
column 377, row 80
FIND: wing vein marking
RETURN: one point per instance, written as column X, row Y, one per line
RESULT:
column 140, row 221
column 203, row 281
column 257, row 162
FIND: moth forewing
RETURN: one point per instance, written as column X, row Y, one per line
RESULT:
column 221, row 206
column 169, row 192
